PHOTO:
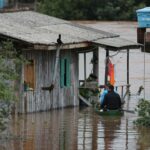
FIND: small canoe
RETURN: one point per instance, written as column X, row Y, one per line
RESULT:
column 109, row 112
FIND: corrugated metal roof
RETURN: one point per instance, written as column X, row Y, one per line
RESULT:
column 117, row 43
column 37, row 28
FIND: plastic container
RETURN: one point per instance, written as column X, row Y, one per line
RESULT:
column 2, row 3
column 143, row 16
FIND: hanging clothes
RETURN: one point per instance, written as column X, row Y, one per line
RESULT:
column 111, row 73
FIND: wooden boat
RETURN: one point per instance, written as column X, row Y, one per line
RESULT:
column 109, row 112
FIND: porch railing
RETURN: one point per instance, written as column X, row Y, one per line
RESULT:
column 122, row 90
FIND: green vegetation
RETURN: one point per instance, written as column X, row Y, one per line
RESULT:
column 92, row 9
column 91, row 92
column 144, row 113
column 10, row 59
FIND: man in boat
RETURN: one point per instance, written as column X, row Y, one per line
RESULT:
column 112, row 100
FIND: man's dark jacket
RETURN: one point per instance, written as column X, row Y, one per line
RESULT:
column 112, row 101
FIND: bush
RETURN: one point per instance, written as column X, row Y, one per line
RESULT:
column 143, row 110
column 10, row 62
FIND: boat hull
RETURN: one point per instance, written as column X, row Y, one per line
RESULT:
column 109, row 112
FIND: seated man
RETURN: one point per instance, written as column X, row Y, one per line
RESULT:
column 112, row 100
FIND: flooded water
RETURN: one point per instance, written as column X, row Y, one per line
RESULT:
column 74, row 129
column 83, row 129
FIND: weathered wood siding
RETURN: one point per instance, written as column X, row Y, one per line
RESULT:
column 41, row 100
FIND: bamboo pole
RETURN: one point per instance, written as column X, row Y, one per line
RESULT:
column 50, row 88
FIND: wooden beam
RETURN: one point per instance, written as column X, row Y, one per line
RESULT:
column 106, row 66
column 65, row 46
column 84, row 100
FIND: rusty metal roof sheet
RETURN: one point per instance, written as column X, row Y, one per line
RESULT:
column 37, row 28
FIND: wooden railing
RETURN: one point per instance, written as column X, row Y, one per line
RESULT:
column 122, row 90
column 88, row 84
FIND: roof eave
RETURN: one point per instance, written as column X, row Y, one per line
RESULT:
column 64, row 46
column 112, row 48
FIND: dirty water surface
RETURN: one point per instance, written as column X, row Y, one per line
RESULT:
column 75, row 129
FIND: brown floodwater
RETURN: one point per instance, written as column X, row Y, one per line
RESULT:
column 75, row 129
column 83, row 129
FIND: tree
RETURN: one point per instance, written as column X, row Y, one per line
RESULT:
column 92, row 9
column 10, row 59
column 143, row 110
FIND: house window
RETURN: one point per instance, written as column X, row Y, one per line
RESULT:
column 65, row 72
column 29, row 75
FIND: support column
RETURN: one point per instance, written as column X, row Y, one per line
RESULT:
column 16, row 4
column 128, row 82
column 140, row 35
column 35, row 5
column 128, row 67
column 96, row 63
column 106, row 66
column 85, row 66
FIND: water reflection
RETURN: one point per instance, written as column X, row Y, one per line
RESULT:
column 74, row 129
column 55, row 130
column 109, row 133
column 143, row 140
column 110, row 125
column 97, row 132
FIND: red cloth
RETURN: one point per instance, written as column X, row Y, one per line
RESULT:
column 111, row 74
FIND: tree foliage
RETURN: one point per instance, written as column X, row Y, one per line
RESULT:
column 143, row 110
column 92, row 9
column 10, row 59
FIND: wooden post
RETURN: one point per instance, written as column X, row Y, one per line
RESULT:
column 96, row 63
column 106, row 66
column 51, row 87
column 128, row 82
column 56, row 63
column 16, row 4
column 35, row 5
column 140, row 35
column 122, row 92
column 85, row 66
column 127, row 66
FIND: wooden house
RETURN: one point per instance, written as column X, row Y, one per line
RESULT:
column 51, row 46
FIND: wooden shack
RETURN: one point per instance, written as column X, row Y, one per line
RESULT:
column 50, row 78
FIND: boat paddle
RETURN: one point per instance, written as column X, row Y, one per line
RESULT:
column 129, row 111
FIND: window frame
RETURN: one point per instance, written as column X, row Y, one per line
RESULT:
column 65, row 72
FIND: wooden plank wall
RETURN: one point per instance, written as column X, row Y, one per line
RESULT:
column 41, row 100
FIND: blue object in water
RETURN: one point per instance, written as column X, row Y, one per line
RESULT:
column 103, row 95
column 143, row 16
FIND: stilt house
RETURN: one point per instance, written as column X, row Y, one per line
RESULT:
column 52, row 46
